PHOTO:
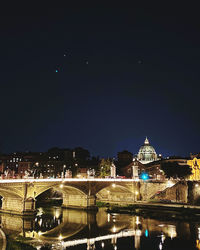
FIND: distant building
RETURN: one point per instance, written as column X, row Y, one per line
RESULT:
column 147, row 153
column 82, row 173
column 197, row 155
column 2, row 167
column 195, row 164
column 154, row 168
column 24, row 167
column 133, row 170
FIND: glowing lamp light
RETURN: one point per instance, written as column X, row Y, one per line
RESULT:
column 114, row 229
column 144, row 176
column 61, row 185
column 57, row 213
column 60, row 237
column 39, row 233
column 137, row 220
column 162, row 238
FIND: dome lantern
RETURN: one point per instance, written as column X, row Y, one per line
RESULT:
column 146, row 142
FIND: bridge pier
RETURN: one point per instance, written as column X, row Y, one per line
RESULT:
column 79, row 201
column 18, row 206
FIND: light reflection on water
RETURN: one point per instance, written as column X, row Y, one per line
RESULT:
column 59, row 228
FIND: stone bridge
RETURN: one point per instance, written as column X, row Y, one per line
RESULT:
column 19, row 196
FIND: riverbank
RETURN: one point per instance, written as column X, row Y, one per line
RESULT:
column 156, row 210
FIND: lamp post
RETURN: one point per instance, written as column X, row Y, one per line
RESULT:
column 63, row 173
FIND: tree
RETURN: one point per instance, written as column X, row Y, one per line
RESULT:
column 124, row 158
column 174, row 170
column 104, row 167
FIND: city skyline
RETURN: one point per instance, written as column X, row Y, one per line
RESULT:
column 99, row 128
column 146, row 141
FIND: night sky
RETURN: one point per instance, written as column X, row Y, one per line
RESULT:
column 100, row 77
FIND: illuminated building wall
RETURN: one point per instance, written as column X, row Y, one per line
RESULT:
column 195, row 164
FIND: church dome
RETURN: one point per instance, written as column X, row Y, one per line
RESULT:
column 147, row 153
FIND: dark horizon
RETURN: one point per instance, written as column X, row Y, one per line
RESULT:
column 95, row 155
column 100, row 78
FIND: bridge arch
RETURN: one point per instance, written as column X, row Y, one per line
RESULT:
column 11, row 198
column 10, row 192
column 73, row 196
column 116, row 192
column 63, row 188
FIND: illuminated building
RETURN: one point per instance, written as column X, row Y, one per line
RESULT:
column 195, row 164
column 147, row 153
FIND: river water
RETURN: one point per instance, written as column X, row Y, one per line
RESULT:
column 57, row 228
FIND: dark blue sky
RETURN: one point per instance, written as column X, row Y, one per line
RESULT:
column 123, row 73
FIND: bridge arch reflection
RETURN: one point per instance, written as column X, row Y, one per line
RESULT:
column 55, row 224
column 116, row 192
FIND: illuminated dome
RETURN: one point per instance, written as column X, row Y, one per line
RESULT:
column 146, row 153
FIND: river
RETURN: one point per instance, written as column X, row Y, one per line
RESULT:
column 57, row 228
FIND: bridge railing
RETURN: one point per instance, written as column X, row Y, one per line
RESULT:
column 66, row 180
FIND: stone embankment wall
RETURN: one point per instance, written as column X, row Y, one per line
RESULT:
column 194, row 192
column 177, row 193
column 182, row 191
column 148, row 189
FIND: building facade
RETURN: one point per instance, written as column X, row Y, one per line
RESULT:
column 195, row 165
column 147, row 153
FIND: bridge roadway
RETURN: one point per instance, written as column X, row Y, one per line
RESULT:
column 20, row 195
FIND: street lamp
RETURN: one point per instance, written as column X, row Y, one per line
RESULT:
column 63, row 173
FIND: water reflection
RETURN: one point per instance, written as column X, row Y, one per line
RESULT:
column 78, row 229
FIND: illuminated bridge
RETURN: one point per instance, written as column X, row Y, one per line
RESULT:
column 19, row 196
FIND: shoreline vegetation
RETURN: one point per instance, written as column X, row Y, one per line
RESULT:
column 18, row 243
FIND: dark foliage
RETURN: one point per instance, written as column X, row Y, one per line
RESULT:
column 174, row 170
